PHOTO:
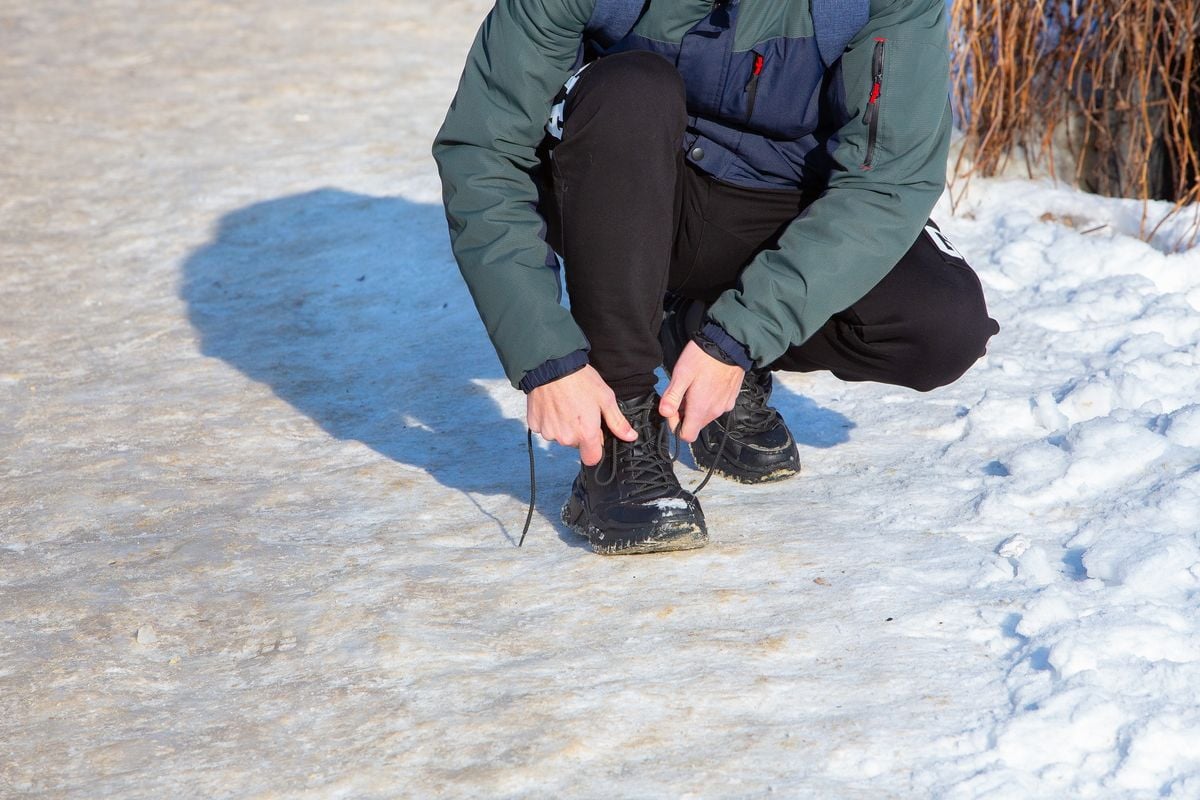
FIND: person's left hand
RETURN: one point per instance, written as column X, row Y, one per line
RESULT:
column 701, row 388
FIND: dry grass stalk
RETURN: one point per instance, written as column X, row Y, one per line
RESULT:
column 1118, row 79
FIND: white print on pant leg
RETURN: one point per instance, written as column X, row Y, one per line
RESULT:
column 554, row 125
column 943, row 243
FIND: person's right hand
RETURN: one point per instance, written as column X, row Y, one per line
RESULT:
column 569, row 411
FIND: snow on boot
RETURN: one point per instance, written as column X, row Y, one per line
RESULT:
column 759, row 447
column 631, row 501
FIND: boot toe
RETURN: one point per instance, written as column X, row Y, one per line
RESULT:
column 762, row 458
column 650, row 526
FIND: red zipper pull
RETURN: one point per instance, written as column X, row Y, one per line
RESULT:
column 876, row 81
column 871, row 115
column 752, row 85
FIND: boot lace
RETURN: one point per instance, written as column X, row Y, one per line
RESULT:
column 648, row 460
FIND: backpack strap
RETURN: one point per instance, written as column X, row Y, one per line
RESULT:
column 612, row 20
column 836, row 22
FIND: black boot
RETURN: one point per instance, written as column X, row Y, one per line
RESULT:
column 631, row 501
column 759, row 447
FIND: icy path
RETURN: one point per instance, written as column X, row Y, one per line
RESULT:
column 257, row 541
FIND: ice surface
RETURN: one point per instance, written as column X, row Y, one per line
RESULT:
column 262, row 477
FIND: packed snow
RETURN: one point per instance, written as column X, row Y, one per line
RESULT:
column 262, row 477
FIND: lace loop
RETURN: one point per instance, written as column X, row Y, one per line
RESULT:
column 612, row 475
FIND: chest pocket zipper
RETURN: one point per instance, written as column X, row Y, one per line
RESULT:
column 752, row 86
column 871, row 115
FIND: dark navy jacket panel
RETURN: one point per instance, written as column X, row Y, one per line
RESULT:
column 757, row 114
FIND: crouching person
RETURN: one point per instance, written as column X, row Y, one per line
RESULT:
column 734, row 188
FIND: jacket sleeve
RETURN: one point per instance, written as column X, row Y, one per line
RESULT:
column 874, row 208
column 485, row 152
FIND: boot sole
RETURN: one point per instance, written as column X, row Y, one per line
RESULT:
column 668, row 538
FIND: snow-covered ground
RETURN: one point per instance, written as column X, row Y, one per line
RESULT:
column 257, row 538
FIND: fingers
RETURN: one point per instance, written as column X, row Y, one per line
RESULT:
column 683, row 395
column 703, row 388
column 673, row 398
column 569, row 411
column 591, row 449
column 672, row 422
column 692, row 424
column 670, row 412
column 617, row 423
column 586, row 437
column 698, row 413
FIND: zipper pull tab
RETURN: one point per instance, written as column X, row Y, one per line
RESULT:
column 871, row 115
column 873, row 102
column 876, row 82
column 752, row 85
column 755, row 72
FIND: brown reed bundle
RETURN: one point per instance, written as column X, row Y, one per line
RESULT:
column 1117, row 81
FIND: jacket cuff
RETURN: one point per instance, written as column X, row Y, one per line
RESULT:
column 553, row 369
column 714, row 340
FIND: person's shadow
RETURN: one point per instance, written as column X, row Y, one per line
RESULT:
column 350, row 308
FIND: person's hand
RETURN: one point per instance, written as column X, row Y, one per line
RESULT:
column 569, row 411
column 702, row 388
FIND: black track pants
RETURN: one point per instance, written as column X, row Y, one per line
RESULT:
column 632, row 219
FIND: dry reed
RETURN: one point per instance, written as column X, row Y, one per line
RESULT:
column 1116, row 81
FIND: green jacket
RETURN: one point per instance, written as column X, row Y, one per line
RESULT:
column 886, row 176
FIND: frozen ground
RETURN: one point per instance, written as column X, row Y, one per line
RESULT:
column 257, row 540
